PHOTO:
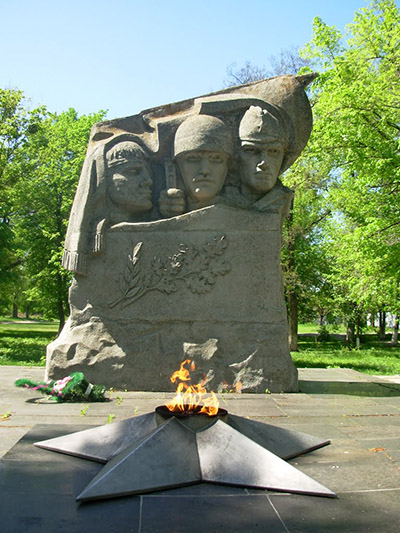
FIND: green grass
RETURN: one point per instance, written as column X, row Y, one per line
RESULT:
column 310, row 327
column 25, row 343
column 373, row 357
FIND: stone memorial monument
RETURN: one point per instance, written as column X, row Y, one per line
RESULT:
column 174, row 239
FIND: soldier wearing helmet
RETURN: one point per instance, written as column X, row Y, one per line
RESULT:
column 202, row 148
column 264, row 140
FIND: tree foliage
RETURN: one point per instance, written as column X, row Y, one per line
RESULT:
column 17, row 125
column 41, row 156
column 342, row 241
column 51, row 163
column 356, row 140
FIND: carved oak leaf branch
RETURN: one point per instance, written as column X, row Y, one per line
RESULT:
column 128, row 281
column 216, row 247
column 197, row 268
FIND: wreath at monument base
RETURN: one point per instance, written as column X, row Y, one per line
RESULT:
column 72, row 388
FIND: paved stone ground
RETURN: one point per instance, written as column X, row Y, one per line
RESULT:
column 359, row 413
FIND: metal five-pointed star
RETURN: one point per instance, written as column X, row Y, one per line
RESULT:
column 158, row 451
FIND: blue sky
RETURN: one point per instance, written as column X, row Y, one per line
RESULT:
column 130, row 55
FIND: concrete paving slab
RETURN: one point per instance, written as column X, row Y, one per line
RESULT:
column 8, row 438
column 358, row 512
column 342, row 410
column 394, row 454
column 210, row 514
column 340, row 474
column 244, row 406
column 353, row 389
column 332, row 420
column 395, row 378
column 334, row 374
column 386, row 420
column 33, row 511
column 312, row 427
column 394, row 400
column 372, row 431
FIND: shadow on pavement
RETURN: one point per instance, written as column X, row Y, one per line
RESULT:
column 349, row 388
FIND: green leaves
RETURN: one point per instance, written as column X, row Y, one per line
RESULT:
column 356, row 141
column 41, row 156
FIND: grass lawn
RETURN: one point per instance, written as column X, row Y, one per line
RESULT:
column 310, row 327
column 373, row 357
column 25, row 343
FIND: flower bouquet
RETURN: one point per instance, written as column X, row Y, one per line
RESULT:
column 73, row 388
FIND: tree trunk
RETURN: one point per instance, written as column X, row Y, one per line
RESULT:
column 27, row 311
column 321, row 317
column 293, row 322
column 358, row 331
column 350, row 333
column 395, row 333
column 372, row 319
column 382, row 325
column 15, row 310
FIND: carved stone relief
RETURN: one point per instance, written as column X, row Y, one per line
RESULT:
column 190, row 187
column 197, row 268
column 129, row 181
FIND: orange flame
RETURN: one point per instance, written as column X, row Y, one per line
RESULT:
column 190, row 398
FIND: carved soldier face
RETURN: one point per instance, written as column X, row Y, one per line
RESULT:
column 129, row 181
column 260, row 165
column 264, row 138
column 204, row 173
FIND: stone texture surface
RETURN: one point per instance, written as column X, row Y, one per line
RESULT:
column 174, row 238
column 234, row 329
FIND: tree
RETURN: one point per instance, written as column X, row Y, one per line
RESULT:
column 51, row 162
column 356, row 138
column 287, row 62
column 17, row 125
column 304, row 258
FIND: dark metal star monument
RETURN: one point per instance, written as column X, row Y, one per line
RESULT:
column 163, row 450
